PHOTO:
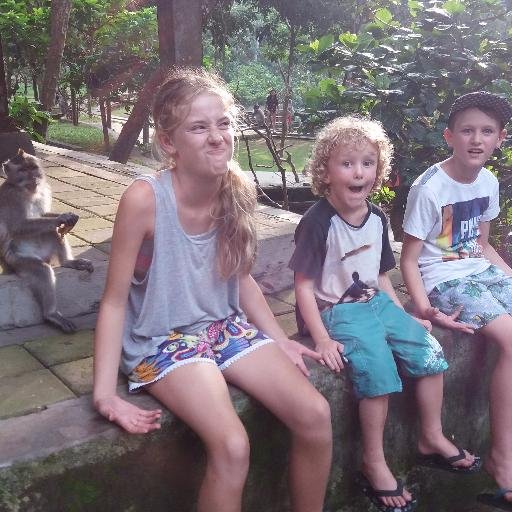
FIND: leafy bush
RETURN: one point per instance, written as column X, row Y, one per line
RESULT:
column 27, row 116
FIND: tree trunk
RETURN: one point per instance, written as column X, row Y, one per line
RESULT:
column 74, row 107
column 180, row 42
column 104, row 123
column 131, row 129
column 4, row 106
column 60, row 10
column 35, row 89
column 6, row 123
column 108, row 105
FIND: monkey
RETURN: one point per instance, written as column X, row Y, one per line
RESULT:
column 31, row 237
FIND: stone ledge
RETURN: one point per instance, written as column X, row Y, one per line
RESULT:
column 69, row 458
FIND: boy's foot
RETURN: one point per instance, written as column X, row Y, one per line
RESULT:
column 445, row 455
column 496, row 500
column 501, row 471
column 437, row 461
column 383, row 489
column 377, row 496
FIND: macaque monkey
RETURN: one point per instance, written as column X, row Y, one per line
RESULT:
column 31, row 237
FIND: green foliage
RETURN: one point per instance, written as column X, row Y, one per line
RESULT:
column 250, row 83
column 383, row 196
column 408, row 76
column 27, row 116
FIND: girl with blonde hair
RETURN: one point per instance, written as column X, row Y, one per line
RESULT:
column 178, row 295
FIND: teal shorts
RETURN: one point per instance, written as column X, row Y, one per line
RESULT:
column 377, row 336
column 483, row 297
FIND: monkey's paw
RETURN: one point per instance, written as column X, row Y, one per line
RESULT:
column 83, row 264
column 66, row 221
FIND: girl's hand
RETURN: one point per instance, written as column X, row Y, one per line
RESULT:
column 331, row 352
column 296, row 351
column 448, row 321
column 128, row 416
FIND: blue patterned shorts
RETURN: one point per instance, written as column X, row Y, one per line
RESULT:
column 222, row 343
column 483, row 297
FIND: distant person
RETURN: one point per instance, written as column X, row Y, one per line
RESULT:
column 290, row 114
column 271, row 106
column 259, row 116
column 177, row 295
column 355, row 318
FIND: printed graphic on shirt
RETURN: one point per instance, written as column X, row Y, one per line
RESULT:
column 459, row 234
column 358, row 291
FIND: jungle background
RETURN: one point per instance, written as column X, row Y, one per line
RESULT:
column 400, row 61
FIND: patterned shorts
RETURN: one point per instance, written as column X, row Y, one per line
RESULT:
column 483, row 297
column 377, row 336
column 222, row 343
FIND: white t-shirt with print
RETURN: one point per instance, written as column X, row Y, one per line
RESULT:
column 446, row 215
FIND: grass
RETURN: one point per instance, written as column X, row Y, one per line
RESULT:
column 86, row 137
column 262, row 159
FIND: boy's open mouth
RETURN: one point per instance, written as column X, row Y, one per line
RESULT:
column 355, row 188
column 475, row 151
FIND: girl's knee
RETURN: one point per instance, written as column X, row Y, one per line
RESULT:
column 315, row 419
column 230, row 453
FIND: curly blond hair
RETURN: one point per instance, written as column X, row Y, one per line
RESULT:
column 235, row 208
column 352, row 131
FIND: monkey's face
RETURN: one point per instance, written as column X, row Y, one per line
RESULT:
column 23, row 171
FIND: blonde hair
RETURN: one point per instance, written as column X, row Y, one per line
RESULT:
column 351, row 131
column 236, row 204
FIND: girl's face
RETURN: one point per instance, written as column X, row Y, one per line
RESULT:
column 202, row 144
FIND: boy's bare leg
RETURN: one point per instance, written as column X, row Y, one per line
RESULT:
column 429, row 395
column 499, row 461
column 372, row 414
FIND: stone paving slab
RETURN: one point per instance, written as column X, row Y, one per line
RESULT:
column 76, row 375
column 16, row 360
column 30, row 392
column 96, row 236
column 62, row 348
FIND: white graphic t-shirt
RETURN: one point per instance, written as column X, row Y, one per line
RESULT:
column 446, row 214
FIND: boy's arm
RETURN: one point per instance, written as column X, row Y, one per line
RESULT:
column 489, row 251
column 386, row 286
column 411, row 249
column 329, row 349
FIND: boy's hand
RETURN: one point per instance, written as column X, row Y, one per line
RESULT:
column 331, row 352
column 448, row 321
column 296, row 352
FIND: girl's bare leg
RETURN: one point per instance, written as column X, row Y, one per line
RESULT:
column 198, row 394
column 269, row 376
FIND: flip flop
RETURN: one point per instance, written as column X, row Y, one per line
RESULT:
column 374, row 495
column 496, row 500
column 437, row 461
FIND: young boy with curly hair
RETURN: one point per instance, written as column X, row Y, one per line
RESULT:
column 455, row 277
column 348, row 305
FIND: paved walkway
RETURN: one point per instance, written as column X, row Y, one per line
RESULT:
column 39, row 366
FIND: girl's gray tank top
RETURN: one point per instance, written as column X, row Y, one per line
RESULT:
column 182, row 289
